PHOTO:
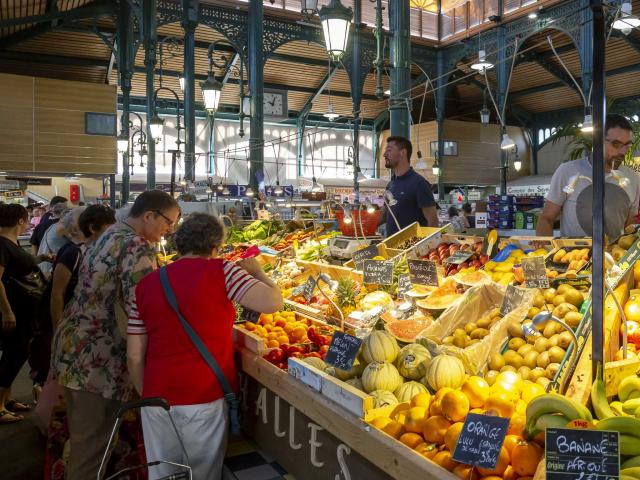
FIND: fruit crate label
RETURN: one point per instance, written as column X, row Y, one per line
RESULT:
column 379, row 272
column 535, row 273
column 360, row 256
column 343, row 351
column 304, row 373
column 459, row 257
column 308, row 288
column 404, row 283
column 577, row 454
column 512, row 299
column 250, row 315
column 423, row 272
column 626, row 262
column 480, row 441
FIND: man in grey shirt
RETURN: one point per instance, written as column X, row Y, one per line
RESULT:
column 570, row 197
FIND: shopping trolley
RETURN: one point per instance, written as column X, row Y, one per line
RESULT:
column 184, row 474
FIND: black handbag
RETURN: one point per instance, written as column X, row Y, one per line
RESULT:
column 31, row 287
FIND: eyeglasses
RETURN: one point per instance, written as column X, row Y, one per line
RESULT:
column 170, row 223
column 618, row 145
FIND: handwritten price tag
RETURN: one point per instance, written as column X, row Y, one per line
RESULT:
column 378, row 272
column 535, row 272
column 512, row 299
column 423, row 272
column 480, row 441
column 343, row 351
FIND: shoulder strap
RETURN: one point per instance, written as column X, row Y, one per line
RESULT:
column 229, row 395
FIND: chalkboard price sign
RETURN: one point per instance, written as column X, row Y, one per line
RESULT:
column 459, row 257
column 535, row 273
column 423, row 272
column 480, row 441
column 360, row 256
column 250, row 315
column 404, row 283
column 512, row 299
column 578, row 454
column 343, row 351
column 309, row 287
column 378, row 271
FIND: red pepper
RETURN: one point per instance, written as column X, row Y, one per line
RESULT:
column 323, row 349
column 311, row 334
column 275, row 356
column 295, row 349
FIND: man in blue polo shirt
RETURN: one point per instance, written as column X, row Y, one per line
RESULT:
column 412, row 196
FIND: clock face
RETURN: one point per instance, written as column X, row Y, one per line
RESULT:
column 274, row 104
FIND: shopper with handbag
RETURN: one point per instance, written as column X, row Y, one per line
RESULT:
column 21, row 288
column 89, row 345
column 180, row 346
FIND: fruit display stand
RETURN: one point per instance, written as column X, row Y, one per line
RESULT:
column 314, row 437
column 410, row 236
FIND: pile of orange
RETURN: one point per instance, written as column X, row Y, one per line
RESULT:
column 279, row 328
column 431, row 424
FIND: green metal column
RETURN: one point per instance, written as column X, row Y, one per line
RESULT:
column 356, row 93
column 150, row 44
column 256, row 87
column 535, row 147
column 441, row 91
column 400, row 101
column 502, row 79
column 301, row 122
column 585, row 46
column 189, row 23
column 125, row 55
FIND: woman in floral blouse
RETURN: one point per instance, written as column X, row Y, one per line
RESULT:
column 89, row 347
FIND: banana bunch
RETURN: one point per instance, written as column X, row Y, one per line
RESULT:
column 628, row 403
column 629, row 434
column 632, row 473
column 553, row 411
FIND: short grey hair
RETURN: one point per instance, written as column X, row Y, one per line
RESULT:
column 199, row 234
column 70, row 225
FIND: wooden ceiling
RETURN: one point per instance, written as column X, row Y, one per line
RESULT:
column 73, row 51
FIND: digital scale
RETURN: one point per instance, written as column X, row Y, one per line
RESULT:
column 343, row 247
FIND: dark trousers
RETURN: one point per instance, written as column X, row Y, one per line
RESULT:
column 15, row 350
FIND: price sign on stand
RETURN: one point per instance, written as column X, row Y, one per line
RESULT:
column 404, row 283
column 378, row 271
column 309, row 287
column 360, row 256
column 535, row 272
column 574, row 454
column 512, row 299
column 480, row 440
column 459, row 257
column 343, row 351
column 423, row 272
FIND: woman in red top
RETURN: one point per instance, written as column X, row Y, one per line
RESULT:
column 162, row 360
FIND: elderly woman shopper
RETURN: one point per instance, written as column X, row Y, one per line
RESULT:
column 89, row 346
column 163, row 361
column 17, row 305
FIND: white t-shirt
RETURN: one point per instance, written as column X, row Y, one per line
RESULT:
column 621, row 198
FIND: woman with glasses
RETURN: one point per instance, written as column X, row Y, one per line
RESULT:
column 89, row 347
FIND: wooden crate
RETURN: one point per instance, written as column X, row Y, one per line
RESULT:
column 252, row 342
column 413, row 230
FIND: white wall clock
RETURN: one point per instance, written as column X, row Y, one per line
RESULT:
column 275, row 103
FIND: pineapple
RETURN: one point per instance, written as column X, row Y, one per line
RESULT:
column 346, row 295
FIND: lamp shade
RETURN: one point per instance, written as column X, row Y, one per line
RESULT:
column 587, row 125
column 278, row 189
column 211, row 91
column 330, row 114
column 482, row 63
column 626, row 21
column 336, row 21
column 123, row 143
column 507, row 143
column 361, row 177
column 517, row 164
column 315, row 186
column 156, row 126
column 435, row 169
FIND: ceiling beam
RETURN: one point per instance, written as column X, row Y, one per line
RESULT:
column 37, row 58
column 90, row 11
column 230, row 68
column 550, row 66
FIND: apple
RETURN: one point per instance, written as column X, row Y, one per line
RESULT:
column 633, row 332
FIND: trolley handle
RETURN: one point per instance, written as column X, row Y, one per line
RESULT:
column 143, row 402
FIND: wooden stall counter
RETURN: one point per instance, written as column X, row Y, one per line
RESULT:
column 316, row 438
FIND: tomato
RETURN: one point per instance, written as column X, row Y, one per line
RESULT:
column 633, row 332
column 275, row 356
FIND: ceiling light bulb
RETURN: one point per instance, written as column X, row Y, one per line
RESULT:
column 361, row 177
column 587, row 125
column 249, row 192
column 330, row 114
column 435, row 169
column 371, row 208
column 532, row 16
column 627, row 21
column 208, row 191
column 225, row 191
column 387, row 91
column 485, row 115
column 315, row 187
column 507, row 143
column 220, row 187
column 278, row 190
column 482, row 63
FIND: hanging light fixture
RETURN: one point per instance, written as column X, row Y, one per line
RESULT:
column 482, row 63
column 336, row 21
column 507, row 143
column 225, row 191
column 315, row 186
column 361, row 177
column 288, row 204
column 211, row 91
column 347, row 215
column 208, row 191
column 308, row 7
column 181, row 82
column 156, row 126
column 330, row 114
column 371, row 208
column 249, row 192
column 627, row 21
column 387, row 91
column 220, row 187
column 485, row 113
column 435, row 169
column 278, row 190
column 421, row 164
column 517, row 163
column 123, row 142
column 587, row 125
